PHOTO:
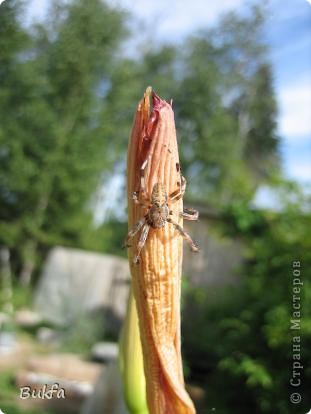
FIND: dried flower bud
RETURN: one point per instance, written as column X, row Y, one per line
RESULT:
column 156, row 278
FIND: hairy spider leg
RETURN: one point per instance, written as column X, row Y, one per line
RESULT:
column 184, row 234
column 144, row 203
column 189, row 214
column 133, row 231
column 142, row 241
column 145, row 195
column 179, row 193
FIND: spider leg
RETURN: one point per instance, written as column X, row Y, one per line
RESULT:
column 133, row 231
column 189, row 214
column 142, row 177
column 144, row 203
column 179, row 193
column 183, row 185
column 185, row 235
column 135, row 197
column 142, row 241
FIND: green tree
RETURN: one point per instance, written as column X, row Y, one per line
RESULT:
column 241, row 347
column 261, row 150
column 52, row 145
column 16, row 97
column 226, row 110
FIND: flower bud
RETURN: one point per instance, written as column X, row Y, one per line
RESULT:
column 156, row 272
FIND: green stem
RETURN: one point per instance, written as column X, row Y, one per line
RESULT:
column 131, row 362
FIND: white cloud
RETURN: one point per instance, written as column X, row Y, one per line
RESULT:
column 300, row 171
column 183, row 16
column 35, row 11
column 295, row 109
column 171, row 20
column 266, row 198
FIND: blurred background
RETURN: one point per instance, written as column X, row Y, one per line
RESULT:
column 71, row 74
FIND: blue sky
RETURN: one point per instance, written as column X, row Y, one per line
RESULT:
column 289, row 37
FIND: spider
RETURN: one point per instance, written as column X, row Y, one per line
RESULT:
column 158, row 211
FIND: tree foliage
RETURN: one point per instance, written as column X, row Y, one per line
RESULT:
column 52, row 147
column 241, row 346
column 227, row 111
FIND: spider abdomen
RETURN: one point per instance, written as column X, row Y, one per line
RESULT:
column 158, row 195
